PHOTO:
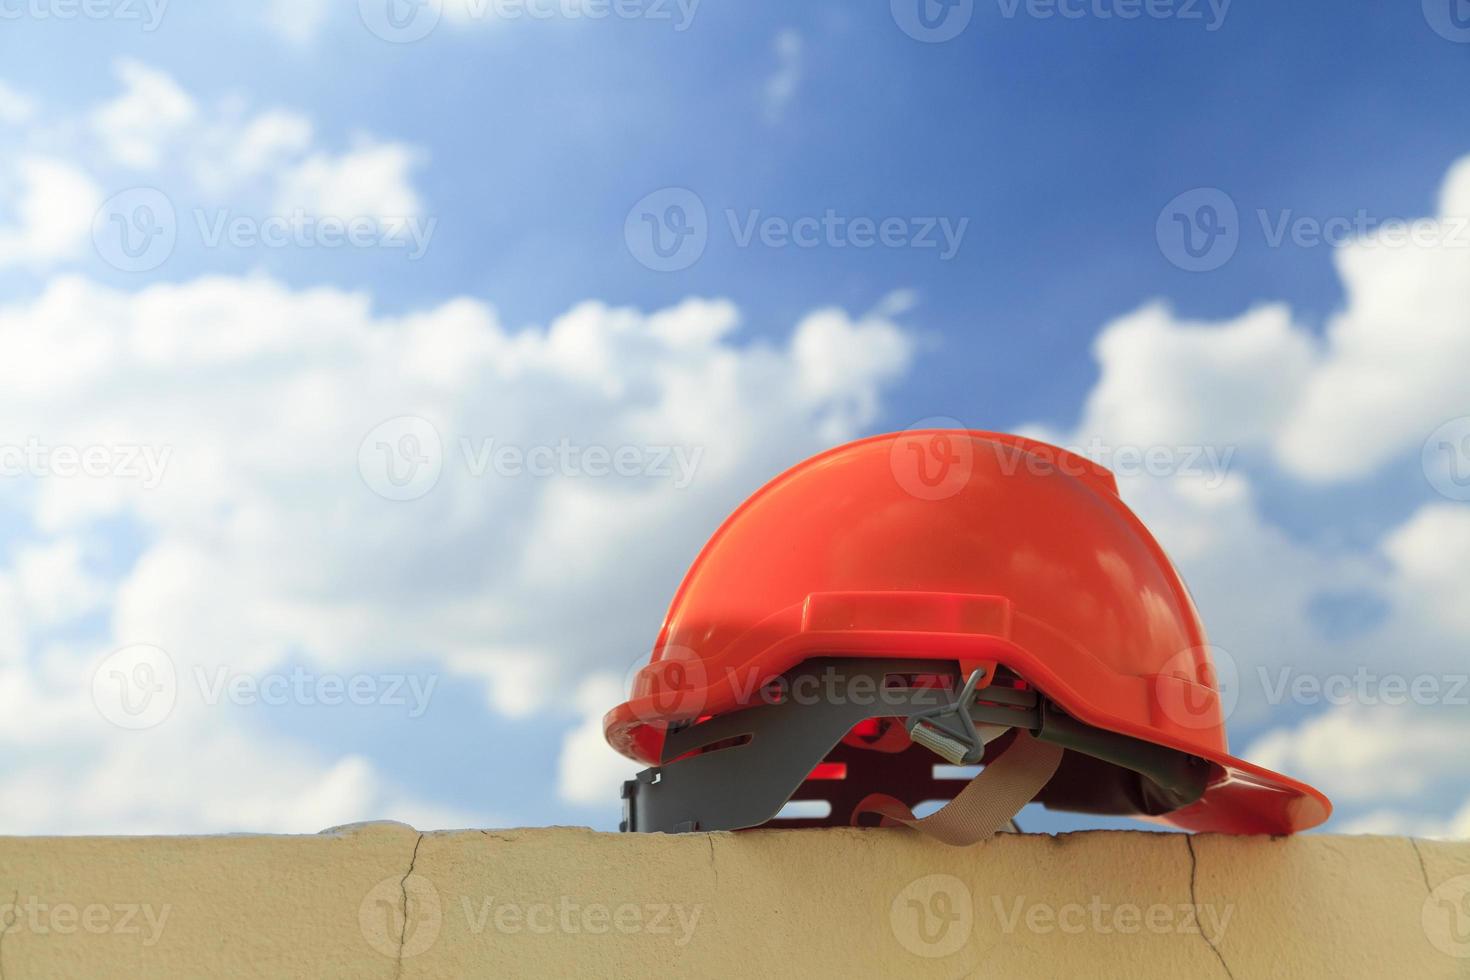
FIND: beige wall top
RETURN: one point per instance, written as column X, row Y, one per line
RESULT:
column 564, row 902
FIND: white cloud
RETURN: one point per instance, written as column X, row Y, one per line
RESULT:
column 139, row 126
column 298, row 21
column 589, row 772
column 1387, row 372
column 1181, row 383
column 240, row 148
column 208, row 779
column 53, row 204
column 1384, row 752
column 54, row 583
column 264, row 540
column 780, row 87
column 1410, row 824
column 224, row 153
column 16, row 108
column 1393, row 364
column 1432, row 580
column 373, row 180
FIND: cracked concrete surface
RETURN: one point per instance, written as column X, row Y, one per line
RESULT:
column 1194, row 901
column 384, row 900
column 404, row 912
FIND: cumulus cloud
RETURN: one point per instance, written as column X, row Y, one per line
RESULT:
column 589, row 772
column 1264, row 400
column 298, row 21
column 16, row 108
column 374, row 180
column 1171, row 382
column 1361, row 753
column 144, row 121
column 1391, row 367
column 268, row 533
column 1385, row 373
column 52, row 203
column 221, row 152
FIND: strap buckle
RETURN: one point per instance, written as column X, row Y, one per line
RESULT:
column 950, row 732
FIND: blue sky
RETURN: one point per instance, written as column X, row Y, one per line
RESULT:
column 1054, row 145
column 540, row 136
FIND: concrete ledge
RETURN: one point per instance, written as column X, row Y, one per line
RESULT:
column 564, row 902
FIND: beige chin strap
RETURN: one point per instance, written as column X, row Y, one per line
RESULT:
column 987, row 803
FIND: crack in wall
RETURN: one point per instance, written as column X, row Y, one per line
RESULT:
column 712, row 866
column 403, row 889
column 1418, row 854
column 1194, row 900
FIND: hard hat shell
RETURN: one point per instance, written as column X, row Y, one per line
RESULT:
column 982, row 548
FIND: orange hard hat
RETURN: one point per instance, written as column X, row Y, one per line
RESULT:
column 922, row 560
